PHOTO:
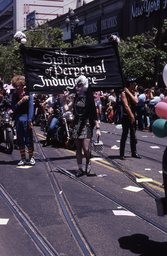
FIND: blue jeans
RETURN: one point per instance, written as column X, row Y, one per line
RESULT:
column 24, row 134
column 53, row 125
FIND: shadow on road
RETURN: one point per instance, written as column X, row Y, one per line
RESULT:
column 141, row 244
column 13, row 162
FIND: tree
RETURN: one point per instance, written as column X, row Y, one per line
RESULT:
column 10, row 61
column 139, row 54
column 80, row 40
column 44, row 36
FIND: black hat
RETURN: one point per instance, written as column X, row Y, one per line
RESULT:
column 130, row 80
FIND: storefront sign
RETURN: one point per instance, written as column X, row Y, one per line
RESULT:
column 146, row 7
column 89, row 29
column 108, row 23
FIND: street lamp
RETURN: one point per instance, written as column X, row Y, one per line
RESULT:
column 72, row 22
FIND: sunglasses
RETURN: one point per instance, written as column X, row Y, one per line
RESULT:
column 79, row 85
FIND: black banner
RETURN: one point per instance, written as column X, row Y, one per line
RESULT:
column 50, row 70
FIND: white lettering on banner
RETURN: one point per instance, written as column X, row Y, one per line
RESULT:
column 146, row 7
column 55, row 72
column 68, row 83
column 64, row 59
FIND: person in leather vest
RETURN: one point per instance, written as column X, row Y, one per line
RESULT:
column 129, row 101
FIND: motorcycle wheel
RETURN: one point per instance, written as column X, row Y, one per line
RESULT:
column 9, row 141
column 61, row 135
column 70, row 144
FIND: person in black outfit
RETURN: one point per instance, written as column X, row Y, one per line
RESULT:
column 129, row 101
column 85, row 119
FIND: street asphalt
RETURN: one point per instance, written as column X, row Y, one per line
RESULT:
column 46, row 210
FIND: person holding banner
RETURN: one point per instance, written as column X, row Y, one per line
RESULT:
column 23, row 110
column 85, row 119
column 129, row 101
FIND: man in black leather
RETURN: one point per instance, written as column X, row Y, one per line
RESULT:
column 129, row 101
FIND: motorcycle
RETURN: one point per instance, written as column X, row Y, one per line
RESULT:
column 7, row 132
column 62, row 135
column 65, row 129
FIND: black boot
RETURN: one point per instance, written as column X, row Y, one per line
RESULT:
column 122, row 149
column 47, row 141
column 79, row 172
column 135, row 155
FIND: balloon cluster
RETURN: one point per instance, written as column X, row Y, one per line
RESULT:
column 159, row 126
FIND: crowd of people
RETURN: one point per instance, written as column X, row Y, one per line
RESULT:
column 132, row 106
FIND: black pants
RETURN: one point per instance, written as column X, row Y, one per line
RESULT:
column 141, row 117
column 126, row 127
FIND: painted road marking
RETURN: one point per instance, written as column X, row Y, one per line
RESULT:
column 95, row 159
column 115, row 147
column 119, row 126
column 154, row 147
column 123, row 213
column 104, row 163
column 24, row 167
column 102, row 175
column 133, row 189
column 3, row 221
column 145, row 179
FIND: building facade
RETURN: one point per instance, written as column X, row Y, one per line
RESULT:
column 100, row 18
column 26, row 14
column 97, row 18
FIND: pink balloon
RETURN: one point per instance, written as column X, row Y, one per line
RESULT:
column 161, row 109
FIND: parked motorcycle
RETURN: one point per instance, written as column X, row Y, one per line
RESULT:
column 7, row 133
column 62, row 135
column 65, row 129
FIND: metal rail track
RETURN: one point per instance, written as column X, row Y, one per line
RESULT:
column 39, row 240
column 111, row 197
column 81, row 240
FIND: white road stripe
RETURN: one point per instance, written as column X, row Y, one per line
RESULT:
column 133, row 188
column 154, row 147
column 123, row 213
column 3, row 221
column 115, row 147
column 144, row 180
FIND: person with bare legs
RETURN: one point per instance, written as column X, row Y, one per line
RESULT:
column 85, row 119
